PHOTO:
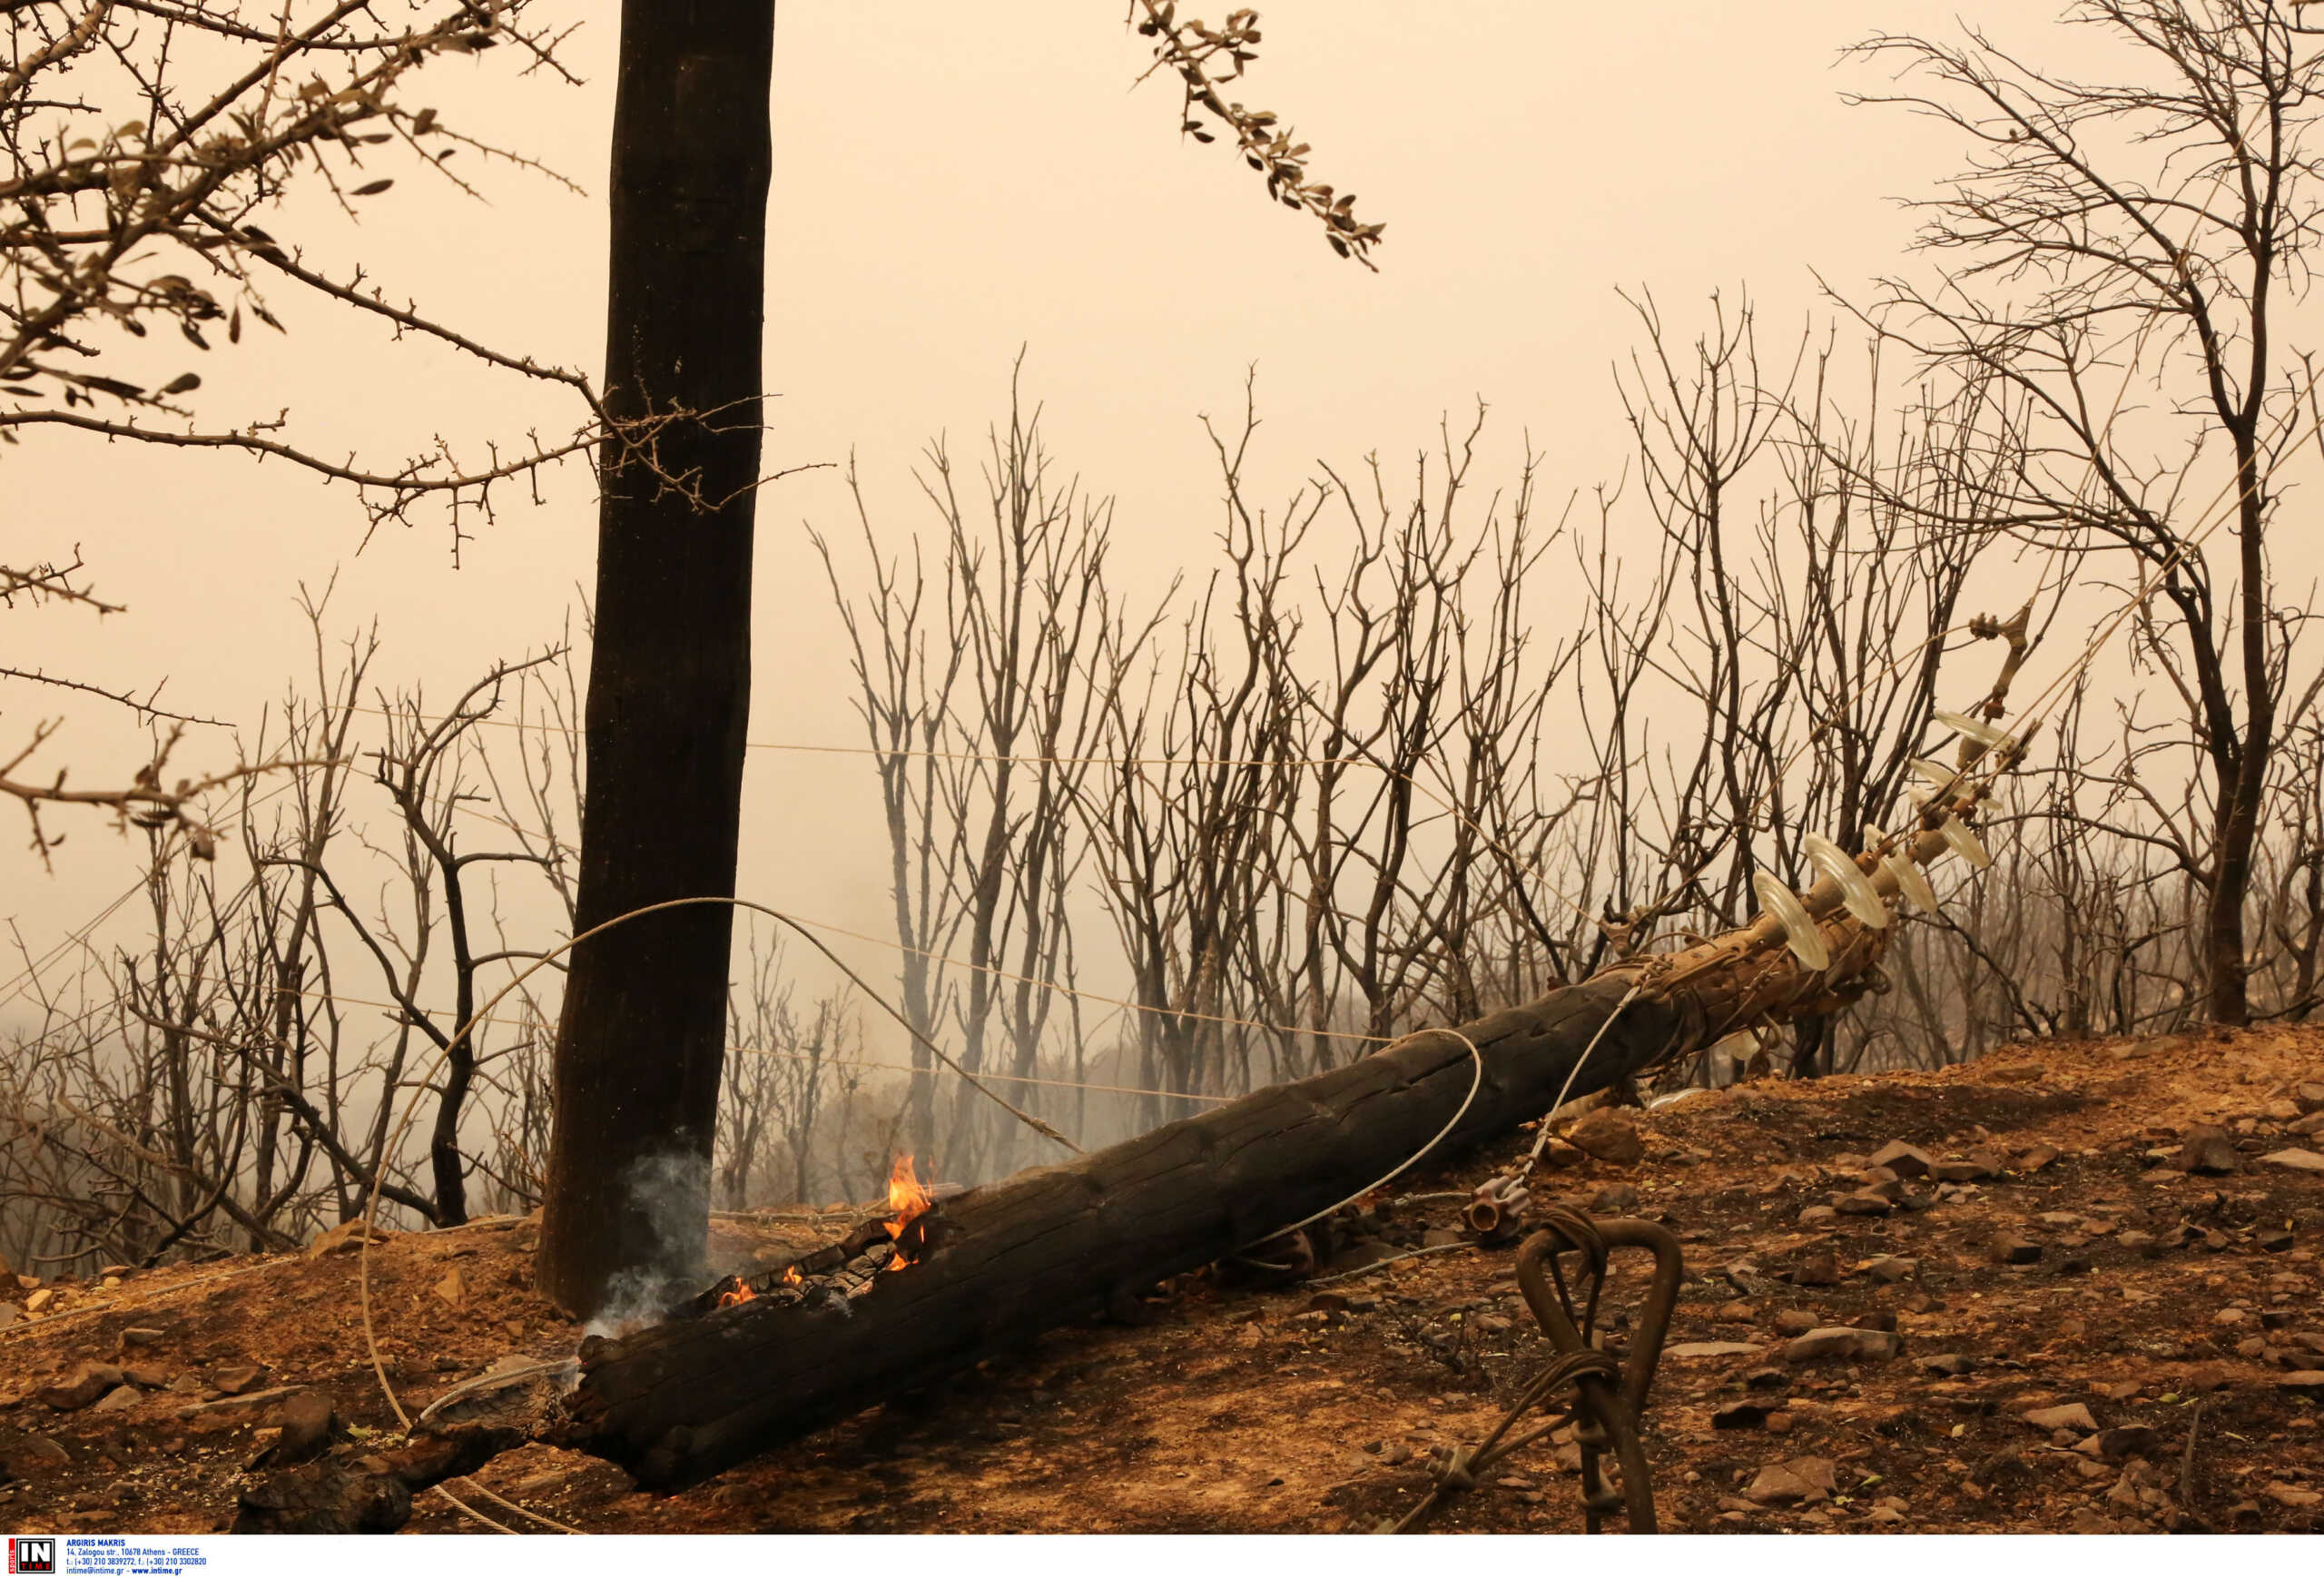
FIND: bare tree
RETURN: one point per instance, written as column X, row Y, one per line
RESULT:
column 1797, row 619
column 789, row 1071
column 149, row 221
column 421, row 770
column 140, row 146
column 223, row 1083
column 983, row 744
column 670, row 664
column 2132, row 242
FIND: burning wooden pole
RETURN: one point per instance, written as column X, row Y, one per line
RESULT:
column 680, row 1401
column 992, row 1267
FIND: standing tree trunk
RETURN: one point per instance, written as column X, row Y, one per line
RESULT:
column 642, row 1042
column 2242, row 793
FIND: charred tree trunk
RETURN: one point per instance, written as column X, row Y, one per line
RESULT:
column 642, row 1040
column 2242, row 794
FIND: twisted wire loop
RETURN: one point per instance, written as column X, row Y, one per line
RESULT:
column 1607, row 1400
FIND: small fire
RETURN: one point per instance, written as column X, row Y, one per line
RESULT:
column 740, row 1293
column 790, row 1277
column 909, row 1202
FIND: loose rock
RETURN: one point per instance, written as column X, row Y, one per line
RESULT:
column 1614, row 1198
column 2122, row 1443
column 1843, row 1342
column 236, row 1379
column 1709, row 1350
column 88, row 1384
column 1559, row 1154
column 1904, row 1160
column 2065, row 1417
column 33, row 1456
column 1976, row 1166
column 1610, row 1136
column 2206, row 1149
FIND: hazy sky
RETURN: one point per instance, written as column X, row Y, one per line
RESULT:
column 951, row 183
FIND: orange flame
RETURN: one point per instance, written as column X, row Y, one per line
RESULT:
column 790, row 1277
column 909, row 1202
column 740, row 1293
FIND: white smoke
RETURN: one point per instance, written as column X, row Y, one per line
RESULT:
column 672, row 1192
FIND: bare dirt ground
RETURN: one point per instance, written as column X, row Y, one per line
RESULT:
column 2164, row 1329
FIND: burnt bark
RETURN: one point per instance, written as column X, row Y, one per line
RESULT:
column 710, row 1387
column 680, row 1401
column 642, row 1040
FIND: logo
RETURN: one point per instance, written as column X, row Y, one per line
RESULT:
column 32, row 1554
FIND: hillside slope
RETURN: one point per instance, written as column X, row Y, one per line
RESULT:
column 2163, row 1314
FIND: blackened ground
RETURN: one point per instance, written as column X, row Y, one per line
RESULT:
column 1243, row 1409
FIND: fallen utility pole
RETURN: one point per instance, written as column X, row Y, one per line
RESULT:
column 680, row 1401
column 996, row 1266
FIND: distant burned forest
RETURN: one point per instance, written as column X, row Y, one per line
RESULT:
column 1405, row 742
column 1409, row 747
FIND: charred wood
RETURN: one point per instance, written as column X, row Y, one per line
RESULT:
column 683, row 1400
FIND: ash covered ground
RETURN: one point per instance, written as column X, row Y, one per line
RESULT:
column 2077, row 1332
